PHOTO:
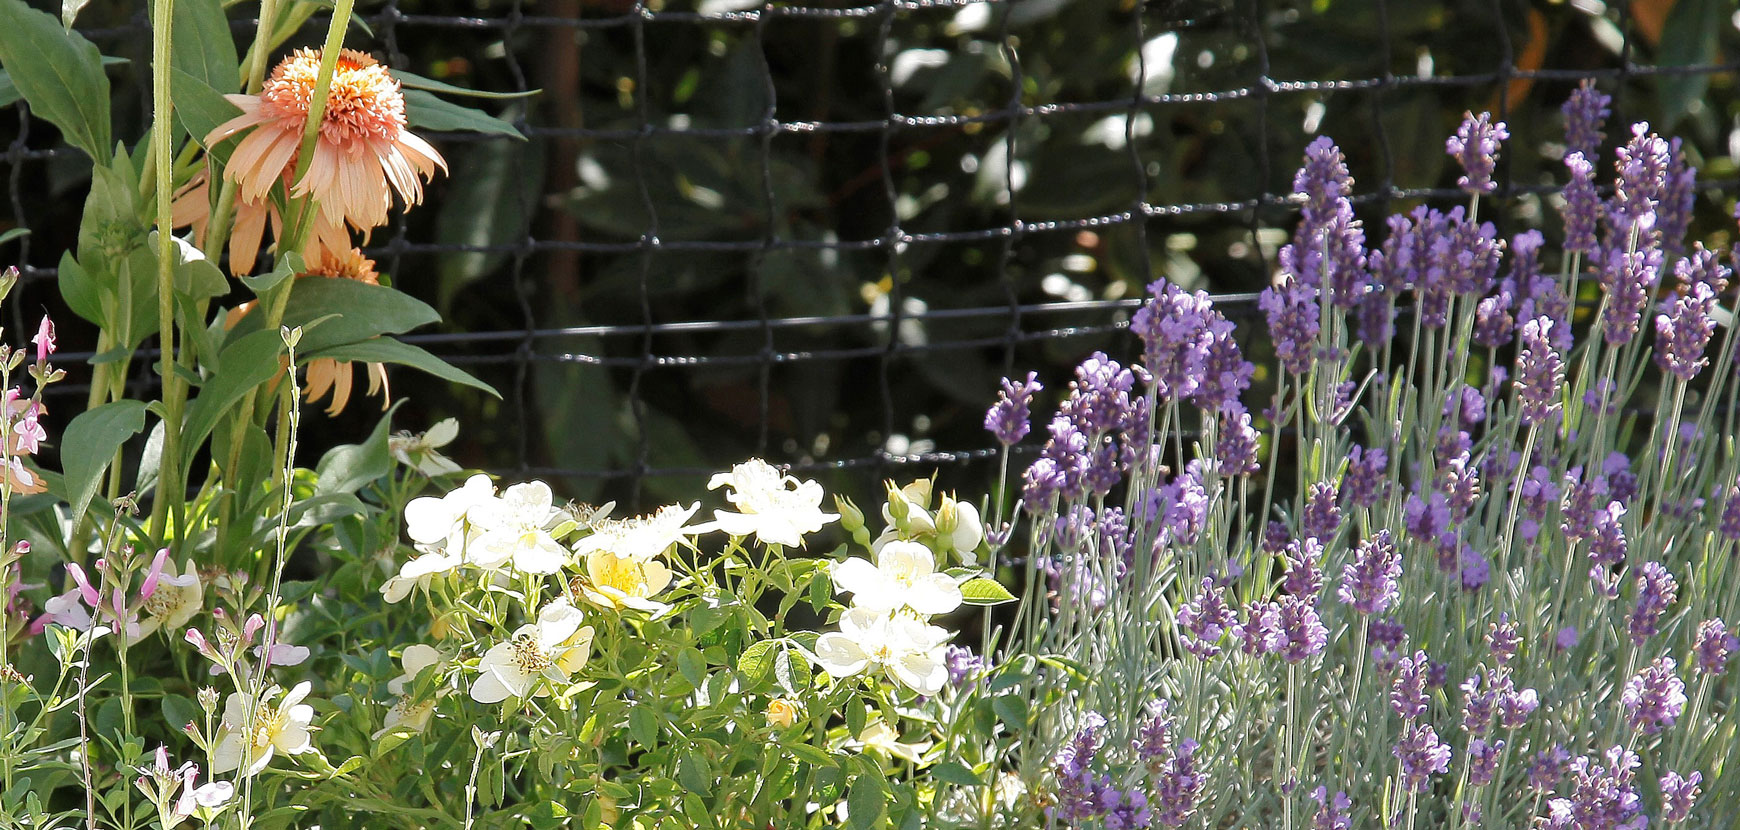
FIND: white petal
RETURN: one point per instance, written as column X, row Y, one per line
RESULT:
column 868, row 585
column 935, row 594
column 490, row 689
column 544, row 556
column 839, row 656
column 428, row 519
column 923, row 672
column 227, row 755
column 418, row 657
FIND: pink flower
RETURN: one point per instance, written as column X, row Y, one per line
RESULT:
column 90, row 594
column 156, row 572
column 44, row 339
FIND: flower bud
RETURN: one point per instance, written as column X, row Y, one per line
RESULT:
column 918, row 492
column 851, row 518
column 897, row 504
column 782, row 712
column 946, row 517
column 208, row 700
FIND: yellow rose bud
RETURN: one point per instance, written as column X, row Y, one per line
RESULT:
column 782, row 712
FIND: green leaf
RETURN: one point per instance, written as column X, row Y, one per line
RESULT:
column 358, row 310
column 756, row 664
column 811, row 755
column 15, row 233
column 195, row 276
column 1012, row 709
column 643, row 726
column 201, row 109
column 69, row 11
column 415, row 81
column 59, row 73
column 431, row 113
column 179, row 711
column 694, row 773
column 88, row 447
column 203, row 47
column 985, row 591
column 242, row 365
column 282, row 269
column 865, row 803
column 388, row 350
column 956, row 773
column 78, row 289
column 346, row 468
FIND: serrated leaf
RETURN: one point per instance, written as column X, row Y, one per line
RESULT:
column 757, row 661
column 985, row 591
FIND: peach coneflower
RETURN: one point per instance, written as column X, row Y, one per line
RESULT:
column 193, row 208
column 363, row 152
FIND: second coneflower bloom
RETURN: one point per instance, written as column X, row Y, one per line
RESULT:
column 363, row 153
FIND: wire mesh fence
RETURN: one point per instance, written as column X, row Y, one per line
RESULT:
column 820, row 233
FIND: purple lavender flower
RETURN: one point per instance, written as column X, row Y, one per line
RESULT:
column 1203, row 621
column 1303, row 633
column 1656, row 591
column 1617, row 469
column 1422, row 756
column 1388, row 641
column 1099, row 397
column 1154, row 739
column 1225, row 372
column 1701, row 267
column 1683, row 329
column 1729, row 526
column 1408, row 692
column 1331, row 812
column 1369, row 582
column 1377, row 315
column 1547, row 767
column 1451, row 443
column 1010, row 418
column 1040, row 485
column 1483, row 761
column 1427, row 521
column 1539, row 493
column 1493, row 321
column 1654, row 698
column 1678, row 193
column 1293, row 316
column 1713, row 645
column 1580, row 504
column 1540, row 372
column 1584, row 112
column 1607, row 547
column 1479, row 703
column 1567, row 638
column 1475, row 569
column 1235, row 446
column 1182, row 506
column 963, row 664
column 1643, row 165
column 1304, row 574
column 1601, row 796
column 1677, row 796
column 1437, row 674
column 1077, row 788
column 1366, row 477
column 1322, row 516
column 1260, row 633
column 1502, row 640
column 1630, row 279
column 1174, row 328
column 1460, row 484
column 1582, row 209
column 1515, row 706
column 1129, row 812
column 1178, row 786
column 1328, row 247
column 1475, row 148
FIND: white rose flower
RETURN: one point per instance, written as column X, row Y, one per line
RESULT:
column 516, row 528
column 441, row 523
column 275, row 728
column 910, row 651
column 420, row 451
column 408, row 713
column 904, row 576
column 969, row 532
column 554, row 647
column 777, row 509
column 643, row 537
column 418, row 573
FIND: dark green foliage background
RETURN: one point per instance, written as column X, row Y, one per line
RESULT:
column 567, row 418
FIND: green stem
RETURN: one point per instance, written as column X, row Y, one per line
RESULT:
column 162, row 130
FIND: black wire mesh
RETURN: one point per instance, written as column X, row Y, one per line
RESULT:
column 681, row 322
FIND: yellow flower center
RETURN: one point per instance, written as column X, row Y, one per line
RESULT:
column 163, row 601
column 528, row 655
column 348, row 265
column 365, row 103
column 618, row 573
column 268, row 722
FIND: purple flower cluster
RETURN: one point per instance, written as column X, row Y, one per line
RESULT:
column 1202, row 622
column 1683, row 329
column 1601, row 796
column 1502, row 640
column 1303, row 577
column 1475, row 148
column 1584, row 112
column 1389, row 641
column 1294, row 318
column 1547, row 767
column 1582, row 208
column 1642, row 166
column 1173, row 326
column 1678, row 795
column 1712, row 646
column 1656, row 591
column 1010, row 418
column 1302, row 633
column 1630, row 279
column 1235, row 446
column 1483, row 761
column 1540, row 372
column 1408, row 692
column 1322, row 515
column 1177, row 786
column 1421, row 755
column 1367, row 476
column 1654, row 698
column 1369, row 582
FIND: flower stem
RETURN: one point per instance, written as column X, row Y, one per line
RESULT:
column 162, row 131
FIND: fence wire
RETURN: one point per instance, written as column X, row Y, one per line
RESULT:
column 642, row 336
